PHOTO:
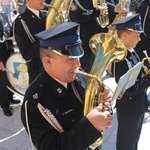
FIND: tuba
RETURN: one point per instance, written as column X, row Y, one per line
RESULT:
column 107, row 48
column 103, row 20
column 57, row 12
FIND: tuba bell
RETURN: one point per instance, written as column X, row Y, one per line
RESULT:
column 57, row 12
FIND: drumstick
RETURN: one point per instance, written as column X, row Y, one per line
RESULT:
column 13, row 74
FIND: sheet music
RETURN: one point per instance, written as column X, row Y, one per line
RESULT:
column 126, row 81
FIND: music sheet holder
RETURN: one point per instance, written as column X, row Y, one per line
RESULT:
column 126, row 81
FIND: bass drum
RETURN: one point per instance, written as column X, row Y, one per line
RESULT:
column 17, row 74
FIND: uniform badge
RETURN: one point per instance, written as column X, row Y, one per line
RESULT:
column 33, row 16
column 35, row 96
column 73, row 6
column 59, row 90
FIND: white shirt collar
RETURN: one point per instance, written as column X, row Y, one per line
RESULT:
column 36, row 12
column 62, row 83
column 131, row 50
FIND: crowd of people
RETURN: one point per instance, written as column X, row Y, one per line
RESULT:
column 53, row 105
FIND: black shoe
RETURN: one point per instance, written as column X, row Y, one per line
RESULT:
column 7, row 112
column 15, row 101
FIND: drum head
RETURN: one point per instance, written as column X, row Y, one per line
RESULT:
column 17, row 73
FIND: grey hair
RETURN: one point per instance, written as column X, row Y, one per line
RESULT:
column 46, row 52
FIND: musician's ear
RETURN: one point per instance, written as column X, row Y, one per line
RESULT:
column 46, row 60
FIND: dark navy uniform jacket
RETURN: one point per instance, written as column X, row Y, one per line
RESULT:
column 134, row 99
column 28, row 49
column 78, row 131
column 144, row 10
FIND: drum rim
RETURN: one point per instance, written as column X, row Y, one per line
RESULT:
column 14, row 53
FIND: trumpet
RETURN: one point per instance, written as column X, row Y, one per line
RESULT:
column 144, row 59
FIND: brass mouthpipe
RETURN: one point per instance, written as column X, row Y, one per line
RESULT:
column 46, row 5
column 88, row 75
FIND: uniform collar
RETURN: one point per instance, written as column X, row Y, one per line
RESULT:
column 60, row 92
column 131, row 50
column 36, row 12
column 62, row 83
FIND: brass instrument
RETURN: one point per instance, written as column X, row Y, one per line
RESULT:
column 57, row 12
column 148, row 59
column 107, row 48
column 103, row 20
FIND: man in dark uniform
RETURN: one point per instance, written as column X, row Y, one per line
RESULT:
column 83, row 12
column 52, row 111
column 26, row 26
column 131, row 107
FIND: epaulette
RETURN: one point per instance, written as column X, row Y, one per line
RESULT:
column 21, row 16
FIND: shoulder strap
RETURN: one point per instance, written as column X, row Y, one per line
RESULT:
column 145, row 17
column 81, row 7
column 31, row 38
